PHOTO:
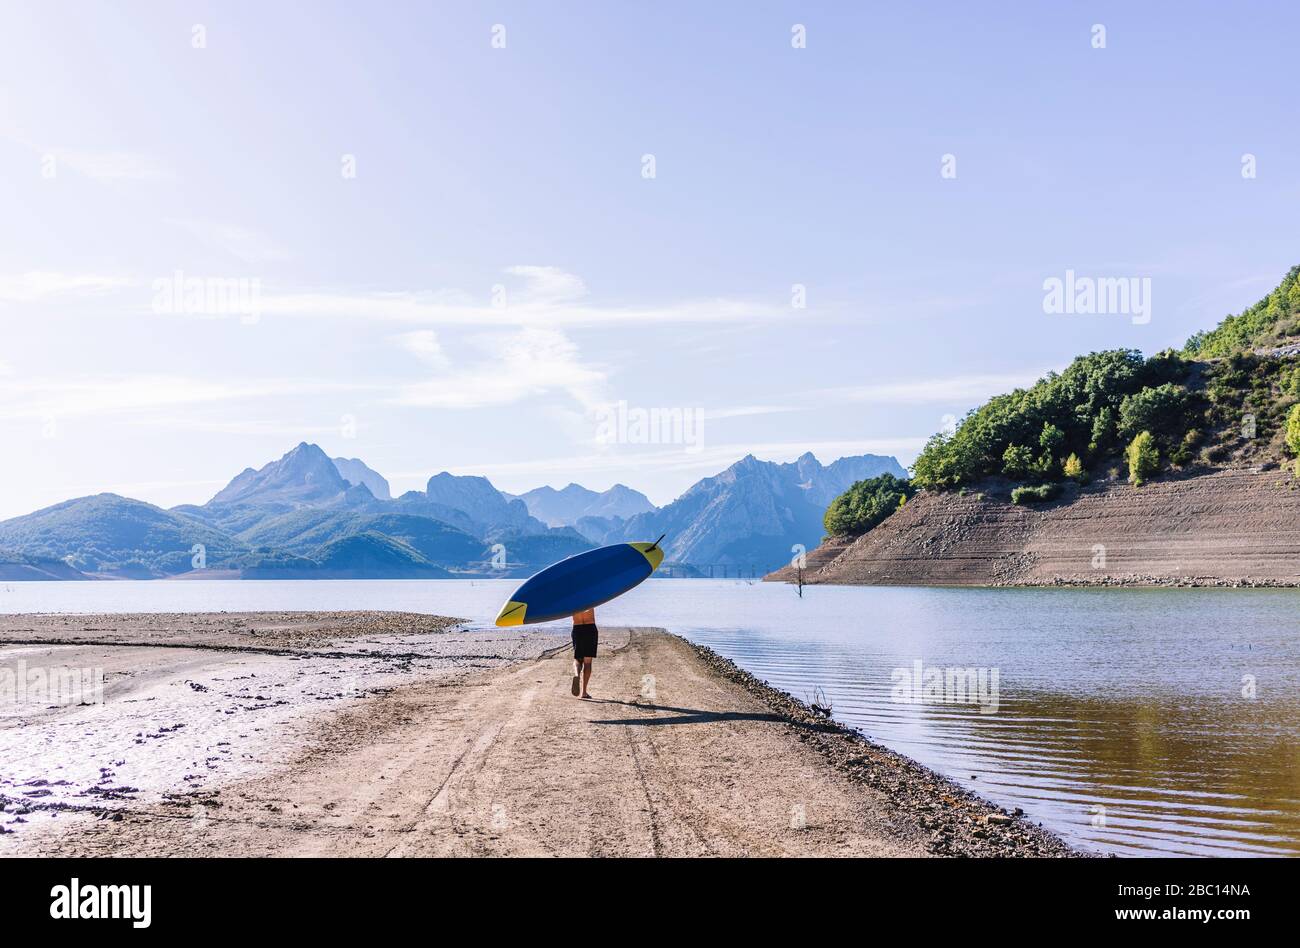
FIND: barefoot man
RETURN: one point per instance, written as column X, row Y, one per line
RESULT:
column 585, row 635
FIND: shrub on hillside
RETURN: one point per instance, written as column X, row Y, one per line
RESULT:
column 1293, row 435
column 1143, row 458
column 1017, row 460
column 1036, row 494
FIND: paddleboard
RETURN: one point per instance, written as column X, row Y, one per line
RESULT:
column 581, row 582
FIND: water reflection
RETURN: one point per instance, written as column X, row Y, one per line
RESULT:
column 1153, row 774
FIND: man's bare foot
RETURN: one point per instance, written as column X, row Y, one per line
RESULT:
column 574, row 688
column 586, row 697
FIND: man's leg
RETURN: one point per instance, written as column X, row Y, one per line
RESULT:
column 577, row 675
column 586, row 675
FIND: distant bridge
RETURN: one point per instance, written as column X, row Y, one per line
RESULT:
column 715, row 570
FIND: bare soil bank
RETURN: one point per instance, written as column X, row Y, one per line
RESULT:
column 1226, row 528
column 682, row 754
column 274, row 632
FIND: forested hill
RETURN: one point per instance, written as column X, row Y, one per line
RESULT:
column 1121, row 470
column 1272, row 322
column 1228, row 398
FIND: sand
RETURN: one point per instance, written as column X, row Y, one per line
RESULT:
column 681, row 753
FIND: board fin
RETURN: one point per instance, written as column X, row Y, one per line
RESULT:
column 653, row 552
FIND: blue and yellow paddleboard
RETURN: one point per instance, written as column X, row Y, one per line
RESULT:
column 581, row 582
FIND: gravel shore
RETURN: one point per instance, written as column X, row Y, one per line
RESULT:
column 396, row 734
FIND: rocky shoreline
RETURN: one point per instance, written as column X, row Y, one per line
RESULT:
column 1234, row 528
column 1154, row 582
column 959, row 823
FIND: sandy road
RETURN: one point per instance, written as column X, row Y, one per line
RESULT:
column 670, row 760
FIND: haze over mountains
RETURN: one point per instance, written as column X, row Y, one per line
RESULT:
column 306, row 515
column 566, row 507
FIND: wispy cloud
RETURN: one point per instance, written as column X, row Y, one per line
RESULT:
column 746, row 411
column 535, row 296
column 543, row 296
column 549, row 284
column 424, row 345
column 518, row 365
column 248, row 245
column 61, row 398
column 953, row 389
column 38, row 285
column 103, row 165
column 254, row 428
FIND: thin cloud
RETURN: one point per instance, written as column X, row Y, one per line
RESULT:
column 534, row 296
column 963, row 389
column 746, row 411
column 424, row 345
column 111, row 165
column 518, row 365
column 38, row 285
column 547, row 297
column 246, row 244
column 292, row 430
column 549, row 284
column 48, row 398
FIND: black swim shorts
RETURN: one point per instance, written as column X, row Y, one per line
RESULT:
column 584, row 640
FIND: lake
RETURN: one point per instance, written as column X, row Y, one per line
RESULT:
column 1136, row 722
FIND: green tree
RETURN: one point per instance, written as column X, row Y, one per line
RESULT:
column 1143, row 458
column 1017, row 461
column 1051, row 438
column 866, row 504
column 1073, row 467
column 1293, row 435
column 1103, row 431
column 1165, row 409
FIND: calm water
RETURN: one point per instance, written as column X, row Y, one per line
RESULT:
column 1120, row 719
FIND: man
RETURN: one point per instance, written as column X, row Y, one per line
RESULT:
column 585, row 636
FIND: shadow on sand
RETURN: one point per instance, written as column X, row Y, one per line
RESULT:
column 684, row 715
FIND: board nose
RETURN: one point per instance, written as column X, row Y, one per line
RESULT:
column 512, row 613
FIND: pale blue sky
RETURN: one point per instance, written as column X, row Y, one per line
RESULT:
column 127, row 154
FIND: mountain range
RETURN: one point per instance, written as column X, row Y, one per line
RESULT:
column 753, row 513
column 307, row 515
column 558, row 508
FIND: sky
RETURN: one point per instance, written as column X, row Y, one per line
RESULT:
column 601, row 242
